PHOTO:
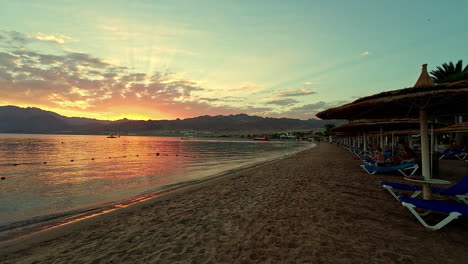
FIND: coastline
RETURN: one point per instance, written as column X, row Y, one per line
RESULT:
column 49, row 221
column 314, row 206
column 146, row 198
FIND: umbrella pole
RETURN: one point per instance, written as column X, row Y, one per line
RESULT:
column 393, row 144
column 425, row 162
column 365, row 143
column 432, row 149
column 381, row 137
column 359, row 141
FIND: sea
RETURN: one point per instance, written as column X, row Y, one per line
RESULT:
column 52, row 180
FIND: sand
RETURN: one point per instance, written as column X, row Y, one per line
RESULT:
column 315, row 207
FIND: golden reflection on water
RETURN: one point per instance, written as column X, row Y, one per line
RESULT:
column 54, row 174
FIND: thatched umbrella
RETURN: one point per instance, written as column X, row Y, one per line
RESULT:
column 417, row 101
column 373, row 125
column 456, row 128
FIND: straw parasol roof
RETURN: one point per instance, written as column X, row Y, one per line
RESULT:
column 342, row 134
column 417, row 101
column 424, row 79
column 443, row 99
column 403, row 132
column 386, row 124
column 456, row 128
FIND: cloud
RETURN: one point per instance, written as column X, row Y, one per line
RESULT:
column 365, row 53
column 247, row 87
column 18, row 39
column 109, row 28
column 59, row 38
column 221, row 100
column 283, row 102
column 86, row 85
column 79, row 80
column 294, row 92
column 312, row 109
column 309, row 110
column 75, row 82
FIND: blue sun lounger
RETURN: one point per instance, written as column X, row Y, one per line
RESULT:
column 458, row 190
column 458, row 153
column 411, row 167
column 454, row 210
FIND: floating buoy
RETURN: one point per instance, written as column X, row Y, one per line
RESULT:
column 177, row 155
column 124, row 156
column 92, row 158
column 3, row 178
column 110, row 157
column 45, row 162
column 138, row 155
column 72, row 160
column 15, row 164
column 157, row 154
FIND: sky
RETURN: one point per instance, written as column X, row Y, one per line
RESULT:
column 168, row 59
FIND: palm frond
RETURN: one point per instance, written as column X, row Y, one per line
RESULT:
column 449, row 72
column 459, row 66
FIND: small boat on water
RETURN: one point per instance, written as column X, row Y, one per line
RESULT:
column 263, row 138
column 111, row 136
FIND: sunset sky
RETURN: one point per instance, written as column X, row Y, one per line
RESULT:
column 167, row 59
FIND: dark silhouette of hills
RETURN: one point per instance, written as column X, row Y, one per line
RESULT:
column 15, row 119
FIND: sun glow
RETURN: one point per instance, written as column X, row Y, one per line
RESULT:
column 133, row 116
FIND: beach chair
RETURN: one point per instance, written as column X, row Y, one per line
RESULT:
column 407, row 169
column 411, row 160
column 454, row 210
column 457, row 153
column 388, row 154
column 458, row 191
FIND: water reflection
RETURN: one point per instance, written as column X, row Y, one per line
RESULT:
column 55, row 174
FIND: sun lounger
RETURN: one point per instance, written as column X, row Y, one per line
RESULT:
column 458, row 153
column 459, row 190
column 454, row 210
column 402, row 168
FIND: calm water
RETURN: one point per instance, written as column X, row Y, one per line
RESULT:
column 52, row 178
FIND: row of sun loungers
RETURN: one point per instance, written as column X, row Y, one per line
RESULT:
column 459, row 192
column 457, row 153
column 407, row 169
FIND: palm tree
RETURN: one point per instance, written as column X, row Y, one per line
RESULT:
column 450, row 72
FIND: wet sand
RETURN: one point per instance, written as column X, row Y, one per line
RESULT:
column 315, row 207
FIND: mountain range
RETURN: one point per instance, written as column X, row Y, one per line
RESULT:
column 15, row 119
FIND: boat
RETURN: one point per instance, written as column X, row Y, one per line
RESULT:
column 263, row 138
column 111, row 136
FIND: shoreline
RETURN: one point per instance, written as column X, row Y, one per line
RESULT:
column 165, row 190
column 300, row 209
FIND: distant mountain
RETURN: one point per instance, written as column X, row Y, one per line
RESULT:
column 34, row 120
column 15, row 119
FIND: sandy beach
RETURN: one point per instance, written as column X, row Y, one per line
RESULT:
column 315, row 207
